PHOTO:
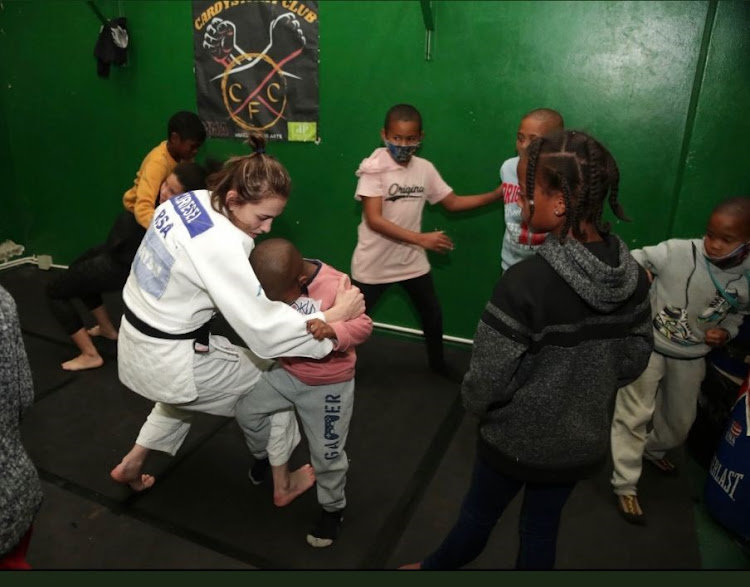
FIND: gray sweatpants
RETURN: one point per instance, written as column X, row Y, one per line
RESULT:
column 222, row 376
column 666, row 394
column 325, row 412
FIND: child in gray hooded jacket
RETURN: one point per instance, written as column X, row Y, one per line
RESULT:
column 20, row 488
column 699, row 295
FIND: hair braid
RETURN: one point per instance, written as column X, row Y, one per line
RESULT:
column 614, row 190
column 583, row 171
column 533, row 156
column 593, row 186
column 571, row 218
column 596, row 187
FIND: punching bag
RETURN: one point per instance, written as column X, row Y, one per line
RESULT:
column 727, row 491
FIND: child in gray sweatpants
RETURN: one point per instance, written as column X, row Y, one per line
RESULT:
column 699, row 295
column 322, row 391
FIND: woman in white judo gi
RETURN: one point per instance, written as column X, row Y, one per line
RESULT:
column 193, row 262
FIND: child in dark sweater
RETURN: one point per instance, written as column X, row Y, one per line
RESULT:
column 563, row 330
column 20, row 488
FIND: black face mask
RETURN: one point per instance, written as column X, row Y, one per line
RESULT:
column 736, row 257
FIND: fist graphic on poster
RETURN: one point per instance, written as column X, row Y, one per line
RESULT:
column 293, row 24
column 219, row 39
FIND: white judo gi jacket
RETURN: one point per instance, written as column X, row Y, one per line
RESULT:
column 192, row 262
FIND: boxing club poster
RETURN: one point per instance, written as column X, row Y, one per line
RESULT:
column 256, row 68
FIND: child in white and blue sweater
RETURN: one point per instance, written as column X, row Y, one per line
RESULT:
column 519, row 242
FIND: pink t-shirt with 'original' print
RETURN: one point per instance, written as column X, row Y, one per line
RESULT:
column 379, row 259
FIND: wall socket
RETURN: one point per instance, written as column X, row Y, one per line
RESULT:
column 44, row 261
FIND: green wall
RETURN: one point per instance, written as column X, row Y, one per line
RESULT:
column 663, row 84
column 717, row 158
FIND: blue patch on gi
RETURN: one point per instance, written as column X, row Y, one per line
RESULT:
column 191, row 212
column 153, row 264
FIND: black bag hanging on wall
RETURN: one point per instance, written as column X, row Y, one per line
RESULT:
column 111, row 46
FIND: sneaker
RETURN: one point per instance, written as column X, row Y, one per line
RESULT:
column 326, row 530
column 718, row 307
column 664, row 465
column 259, row 471
column 630, row 509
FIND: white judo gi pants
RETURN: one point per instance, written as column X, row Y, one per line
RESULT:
column 222, row 376
column 325, row 412
column 665, row 394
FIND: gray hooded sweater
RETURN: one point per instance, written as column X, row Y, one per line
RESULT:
column 564, row 330
column 20, row 489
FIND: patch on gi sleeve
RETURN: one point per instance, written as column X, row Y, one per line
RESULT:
column 153, row 264
column 192, row 213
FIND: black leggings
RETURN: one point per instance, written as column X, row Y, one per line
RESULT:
column 421, row 291
column 93, row 273
column 104, row 268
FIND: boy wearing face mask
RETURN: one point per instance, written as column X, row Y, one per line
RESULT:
column 699, row 297
column 393, row 187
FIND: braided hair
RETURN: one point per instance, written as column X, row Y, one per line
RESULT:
column 254, row 177
column 583, row 170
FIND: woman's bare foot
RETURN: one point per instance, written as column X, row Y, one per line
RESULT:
column 97, row 330
column 411, row 567
column 129, row 469
column 299, row 481
column 83, row 362
column 123, row 473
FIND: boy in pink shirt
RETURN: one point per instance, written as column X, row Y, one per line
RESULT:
column 321, row 390
column 393, row 187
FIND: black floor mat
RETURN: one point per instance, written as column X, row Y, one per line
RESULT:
column 45, row 357
column 74, row 532
column 592, row 533
column 80, row 432
column 393, row 426
column 410, row 450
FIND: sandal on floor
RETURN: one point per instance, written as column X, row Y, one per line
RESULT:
column 630, row 509
column 664, row 465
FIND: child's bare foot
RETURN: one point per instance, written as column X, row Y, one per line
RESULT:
column 83, row 362
column 123, row 473
column 411, row 567
column 97, row 330
column 299, row 481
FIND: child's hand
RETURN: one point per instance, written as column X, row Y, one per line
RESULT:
column 320, row 329
column 716, row 337
column 436, row 241
column 497, row 193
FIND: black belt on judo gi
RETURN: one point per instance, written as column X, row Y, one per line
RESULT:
column 200, row 335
